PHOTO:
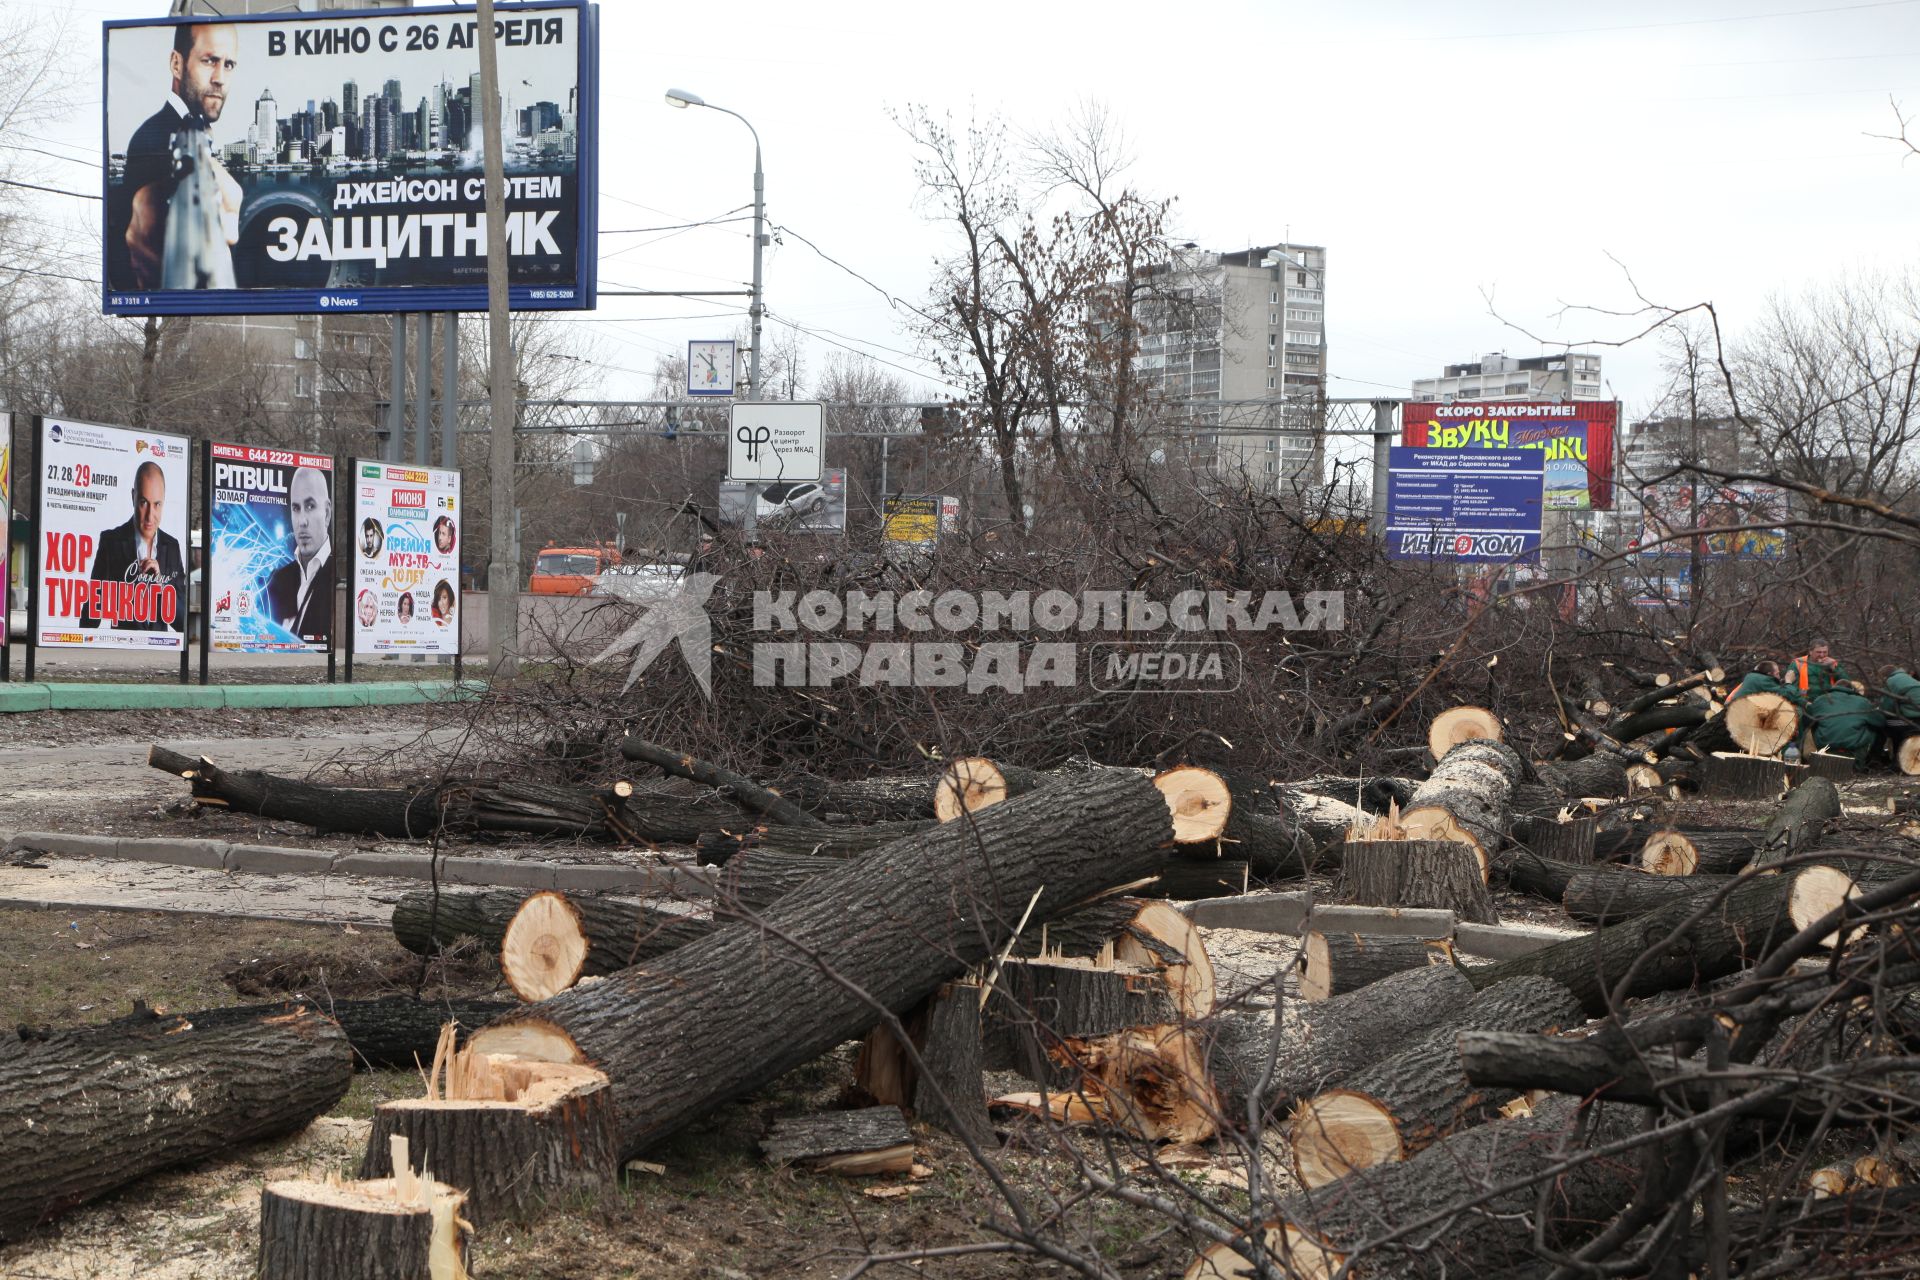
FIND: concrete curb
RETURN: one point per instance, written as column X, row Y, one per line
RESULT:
column 1256, row 912
column 1504, row 941
column 11, row 903
column 17, row 698
column 1397, row 922
column 261, row 859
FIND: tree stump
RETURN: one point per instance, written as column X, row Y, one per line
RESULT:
column 1742, row 777
column 1684, row 853
column 513, row 1133
column 407, row 1227
column 1333, row 964
column 950, row 1092
column 1416, row 873
column 1563, row 840
column 1465, row 798
column 1405, row 1103
column 1834, row 768
column 1762, row 724
column 1037, row 1006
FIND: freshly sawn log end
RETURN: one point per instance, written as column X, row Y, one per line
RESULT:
column 544, row 949
column 1762, row 723
column 1199, row 801
column 967, row 785
column 1462, row 724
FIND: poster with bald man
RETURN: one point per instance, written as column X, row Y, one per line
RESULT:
column 271, row 575
column 112, row 537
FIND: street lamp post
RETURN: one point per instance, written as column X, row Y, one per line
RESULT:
column 683, row 99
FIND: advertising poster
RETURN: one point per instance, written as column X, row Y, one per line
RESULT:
column 1476, row 505
column 1576, row 437
column 406, row 559
column 6, row 521
column 1668, row 522
column 271, row 573
column 910, row 525
column 325, row 162
column 113, row 537
column 806, row 506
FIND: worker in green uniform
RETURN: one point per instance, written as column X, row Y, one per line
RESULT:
column 1846, row 723
column 1903, row 693
column 1765, row 678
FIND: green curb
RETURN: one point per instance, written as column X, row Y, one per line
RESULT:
column 15, row 698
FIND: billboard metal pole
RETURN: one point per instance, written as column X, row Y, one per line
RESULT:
column 503, row 597
column 6, row 557
column 397, row 391
column 423, row 392
column 450, row 392
column 1382, row 456
column 206, row 565
column 342, row 523
column 35, row 425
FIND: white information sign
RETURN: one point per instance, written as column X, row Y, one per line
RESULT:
column 776, row 440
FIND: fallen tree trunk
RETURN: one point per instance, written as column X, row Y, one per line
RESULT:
column 863, row 801
column 1459, row 1233
column 1405, row 1103
column 612, row 934
column 1608, row 895
column 1673, row 852
column 384, row 811
column 975, row 782
column 1683, row 715
column 1799, row 822
column 1211, row 819
column 1461, row 724
column 1734, row 930
column 1545, row 878
column 742, row 790
column 1762, row 724
column 1595, row 775
column 737, row 1009
column 850, row 1143
column 715, row 847
column 402, row 1032
column 1336, row 962
column 1259, row 1071
column 1465, row 799
column 94, row 1108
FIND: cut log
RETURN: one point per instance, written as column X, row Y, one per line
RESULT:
column 1608, row 895
column 715, row 847
column 544, row 947
column 94, row 1108
column 1667, row 719
column 1544, row 878
column 1571, row 840
column 1742, row 777
column 1539, row 800
column 402, row 1032
column 1799, row 822
column 1188, row 880
column 975, row 782
column 1462, row 724
column 1824, row 764
column 1328, row 823
column 1643, row 777
column 1465, row 798
column 1416, row 873
column 1441, row 1192
column 1672, row 852
column 385, row 811
column 1762, row 724
column 863, row 801
column 411, row 1227
column 1211, row 821
column 1745, row 923
column 1906, row 756
column 1405, row 1103
column 1588, row 776
column 1333, row 964
column 614, row 934
column 514, row 1134
column 850, row 1143
column 726, row 1014
column 949, row 1091
column 1036, row 1006
column 751, row 882
column 1259, row 1073
column 743, row 790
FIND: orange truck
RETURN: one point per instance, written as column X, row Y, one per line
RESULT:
column 570, row 571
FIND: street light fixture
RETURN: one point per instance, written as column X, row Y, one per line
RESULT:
column 683, row 99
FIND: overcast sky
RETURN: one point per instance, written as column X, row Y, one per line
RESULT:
column 1442, row 151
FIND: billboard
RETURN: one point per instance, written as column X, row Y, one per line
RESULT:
column 1576, row 436
column 6, row 524
column 112, row 537
column 910, row 524
column 270, row 567
column 1464, row 505
column 1668, row 522
column 805, row 506
column 406, row 559
column 332, row 161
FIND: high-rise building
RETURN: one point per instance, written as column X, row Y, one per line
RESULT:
column 1236, row 343
column 266, row 120
column 383, row 122
column 1566, row 375
column 330, row 115
column 392, row 94
column 350, row 100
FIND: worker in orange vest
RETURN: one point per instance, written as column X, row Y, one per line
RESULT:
column 1816, row 671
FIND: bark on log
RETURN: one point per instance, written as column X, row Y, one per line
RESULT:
column 1608, row 895
column 1037, row 1006
column 1741, row 927
column 514, row 1135
column 850, row 1143
column 1416, row 873
column 753, row 881
column 863, row 801
column 743, row 790
column 1545, row 878
column 950, row 1092
column 1459, row 1233
column 1141, row 933
column 1465, row 798
column 1333, row 964
column 1824, row 764
column 1568, row 841
column 714, row 848
column 616, row 934
column 1212, row 820
column 402, row 1032
column 1374, row 795
column 1799, row 822
column 1683, row 715
column 1405, row 1103
column 726, row 1014
column 384, row 811
column 1740, row 777
column 95, row 1108
column 1259, row 1077
column 1674, row 852
column 388, row 1229
column 975, row 782
column 1188, row 880
column 1595, row 775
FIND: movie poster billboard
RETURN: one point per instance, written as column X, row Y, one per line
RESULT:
column 112, row 537
column 270, row 574
column 1734, row 521
column 406, row 559
column 1576, row 436
column 307, row 162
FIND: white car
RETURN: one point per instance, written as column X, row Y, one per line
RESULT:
column 637, row 581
